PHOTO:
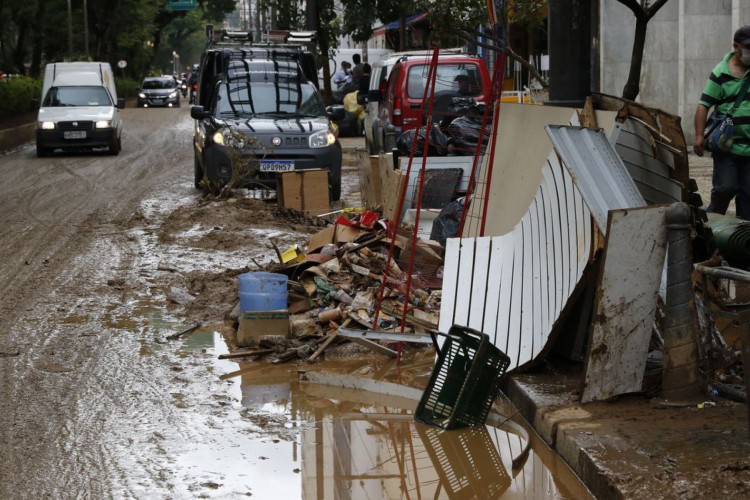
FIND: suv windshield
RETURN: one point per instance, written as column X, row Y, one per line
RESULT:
column 261, row 98
column 77, row 96
column 463, row 78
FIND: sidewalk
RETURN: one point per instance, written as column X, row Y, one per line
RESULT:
column 637, row 447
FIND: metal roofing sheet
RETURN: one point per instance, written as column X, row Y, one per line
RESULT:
column 597, row 170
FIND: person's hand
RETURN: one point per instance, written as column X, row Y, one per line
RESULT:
column 698, row 146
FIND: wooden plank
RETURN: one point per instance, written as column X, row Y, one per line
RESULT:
column 463, row 289
column 625, row 302
column 494, row 278
column 527, row 295
column 479, row 283
column 537, row 261
column 450, row 281
column 374, row 346
column 507, row 250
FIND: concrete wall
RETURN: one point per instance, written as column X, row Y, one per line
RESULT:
column 684, row 42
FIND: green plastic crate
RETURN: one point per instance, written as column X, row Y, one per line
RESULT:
column 464, row 381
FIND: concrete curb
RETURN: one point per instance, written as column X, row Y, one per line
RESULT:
column 16, row 136
column 626, row 448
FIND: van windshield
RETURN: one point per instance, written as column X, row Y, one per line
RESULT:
column 77, row 96
column 293, row 98
column 461, row 78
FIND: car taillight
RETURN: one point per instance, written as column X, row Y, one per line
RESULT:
column 195, row 87
column 397, row 118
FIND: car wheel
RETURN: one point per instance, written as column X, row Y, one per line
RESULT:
column 114, row 148
column 198, row 172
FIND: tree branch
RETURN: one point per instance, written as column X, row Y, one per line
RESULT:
column 636, row 7
column 655, row 8
column 470, row 36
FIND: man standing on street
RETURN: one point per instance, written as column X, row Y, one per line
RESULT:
column 342, row 76
column 731, row 175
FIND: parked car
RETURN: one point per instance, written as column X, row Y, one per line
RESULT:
column 159, row 91
column 394, row 104
column 79, row 109
column 258, row 104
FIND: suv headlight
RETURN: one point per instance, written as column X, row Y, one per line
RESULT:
column 218, row 137
column 322, row 139
column 173, row 94
column 141, row 95
column 45, row 125
column 104, row 124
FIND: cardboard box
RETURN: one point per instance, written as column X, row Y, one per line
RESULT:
column 303, row 190
column 333, row 234
column 254, row 325
column 370, row 184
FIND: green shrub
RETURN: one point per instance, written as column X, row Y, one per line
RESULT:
column 126, row 87
column 19, row 95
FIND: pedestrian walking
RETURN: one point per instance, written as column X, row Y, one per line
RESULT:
column 726, row 92
column 343, row 75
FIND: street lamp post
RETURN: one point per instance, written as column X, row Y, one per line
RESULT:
column 175, row 63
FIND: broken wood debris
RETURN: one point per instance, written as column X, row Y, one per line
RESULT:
column 335, row 282
column 183, row 333
column 244, row 354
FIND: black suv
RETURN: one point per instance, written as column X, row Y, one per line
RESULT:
column 257, row 102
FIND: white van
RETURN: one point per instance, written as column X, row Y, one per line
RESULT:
column 79, row 109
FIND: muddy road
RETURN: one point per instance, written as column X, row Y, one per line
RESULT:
column 103, row 257
column 77, row 397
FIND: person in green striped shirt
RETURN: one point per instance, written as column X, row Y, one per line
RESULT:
column 731, row 175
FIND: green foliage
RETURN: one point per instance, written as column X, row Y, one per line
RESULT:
column 35, row 32
column 359, row 16
column 19, row 95
column 126, row 87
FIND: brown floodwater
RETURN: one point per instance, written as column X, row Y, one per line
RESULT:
column 322, row 441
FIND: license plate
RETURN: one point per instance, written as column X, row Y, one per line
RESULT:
column 158, row 101
column 74, row 134
column 276, row 165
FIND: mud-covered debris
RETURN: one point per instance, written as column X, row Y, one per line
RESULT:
column 179, row 296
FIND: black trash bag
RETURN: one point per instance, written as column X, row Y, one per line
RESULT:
column 463, row 135
column 438, row 142
column 463, row 106
column 446, row 223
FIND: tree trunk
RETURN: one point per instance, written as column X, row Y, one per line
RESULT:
column 20, row 49
column 38, row 44
column 402, row 33
column 633, row 86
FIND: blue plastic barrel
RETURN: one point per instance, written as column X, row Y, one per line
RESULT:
column 262, row 291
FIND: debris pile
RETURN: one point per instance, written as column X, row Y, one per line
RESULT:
column 346, row 280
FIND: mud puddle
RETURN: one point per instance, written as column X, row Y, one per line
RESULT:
column 308, row 440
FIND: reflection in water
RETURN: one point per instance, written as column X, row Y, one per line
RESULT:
column 323, row 442
column 355, row 456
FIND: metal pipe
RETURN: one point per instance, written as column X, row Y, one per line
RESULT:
column 680, row 376
column 732, row 238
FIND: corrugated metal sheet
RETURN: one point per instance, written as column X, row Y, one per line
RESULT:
column 597, row 170
column 515, row 286
column 650, row 163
